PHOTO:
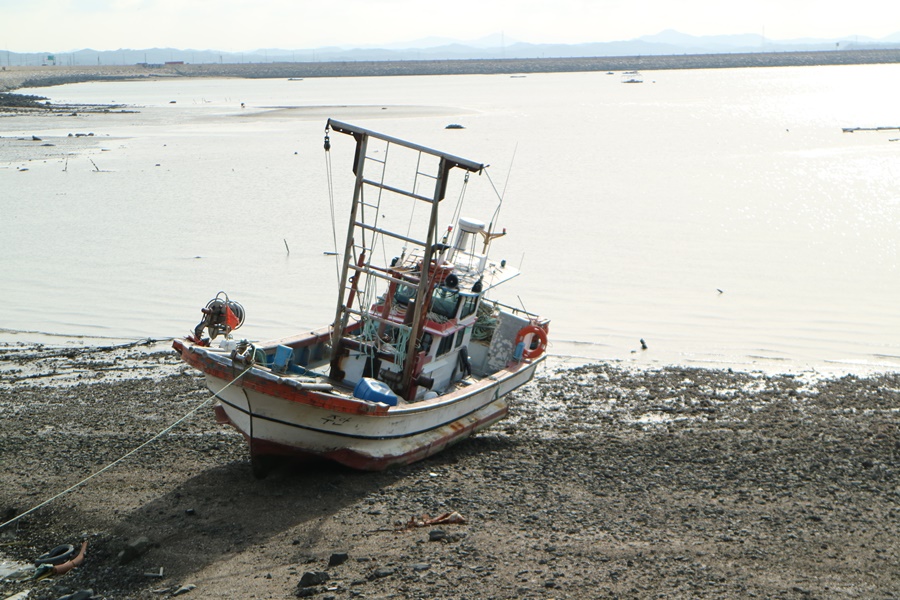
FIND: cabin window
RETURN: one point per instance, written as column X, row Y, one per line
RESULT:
column 403, row 294
column 446, row 345
column 460, row 336
column 425, row 346
column 444, row 302
column 469, row 305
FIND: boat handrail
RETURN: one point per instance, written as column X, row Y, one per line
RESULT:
column 515, row 310
column 373, row 317
column 382, row 274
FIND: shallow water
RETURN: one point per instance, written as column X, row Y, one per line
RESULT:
column 628, row 207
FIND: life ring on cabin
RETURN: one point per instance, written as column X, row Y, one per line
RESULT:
column 536, row 333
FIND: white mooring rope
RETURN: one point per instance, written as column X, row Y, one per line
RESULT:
column 121, row 458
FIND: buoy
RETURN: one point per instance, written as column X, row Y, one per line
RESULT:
column 527, row 336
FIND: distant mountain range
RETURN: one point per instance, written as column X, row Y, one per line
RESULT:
column 493, row 47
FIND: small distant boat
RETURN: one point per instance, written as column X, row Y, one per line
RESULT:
column 454, row 126
column 632, row 77
column 417, row 357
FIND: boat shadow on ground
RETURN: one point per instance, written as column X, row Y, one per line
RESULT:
column 287, row 518
column 224, row 511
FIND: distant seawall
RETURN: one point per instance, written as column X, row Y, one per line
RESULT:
column 12, row 78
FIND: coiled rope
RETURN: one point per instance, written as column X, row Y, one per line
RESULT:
column 486, row 322
column 128, row 454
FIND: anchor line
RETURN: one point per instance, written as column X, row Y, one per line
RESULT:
column 126, row 455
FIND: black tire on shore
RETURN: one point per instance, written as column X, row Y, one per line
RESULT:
column 57, row 556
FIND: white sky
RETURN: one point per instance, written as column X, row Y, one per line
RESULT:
column 240, row 25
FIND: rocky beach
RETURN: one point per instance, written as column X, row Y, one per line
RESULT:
column 605, row 481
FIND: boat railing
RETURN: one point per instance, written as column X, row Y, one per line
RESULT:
column 513, row 309
column 380, row 273
column 369, row 316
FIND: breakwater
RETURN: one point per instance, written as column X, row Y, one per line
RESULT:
column 12, row 78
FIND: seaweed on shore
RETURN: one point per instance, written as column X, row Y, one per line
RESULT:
column 11, row 100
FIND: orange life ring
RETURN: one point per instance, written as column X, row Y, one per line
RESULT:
column 532, row 330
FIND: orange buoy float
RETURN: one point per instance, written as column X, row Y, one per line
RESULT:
column 527, row 336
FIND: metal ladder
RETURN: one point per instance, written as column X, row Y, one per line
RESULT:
column 359, row 276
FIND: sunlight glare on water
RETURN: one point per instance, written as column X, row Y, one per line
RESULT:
column 628, row 207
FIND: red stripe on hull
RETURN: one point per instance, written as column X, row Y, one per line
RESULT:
column 250, row 381
column 366, row 454
column 360, row 460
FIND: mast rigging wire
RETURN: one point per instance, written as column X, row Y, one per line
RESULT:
column 328, row 172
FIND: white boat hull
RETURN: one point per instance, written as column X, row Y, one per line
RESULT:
column 277, row 418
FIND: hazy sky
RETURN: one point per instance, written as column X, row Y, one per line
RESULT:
column 239, row 25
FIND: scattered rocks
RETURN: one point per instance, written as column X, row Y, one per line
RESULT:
column 133, row 550
column 79, row 595
column 602, row 482
column 381, row 572
column 311, row 578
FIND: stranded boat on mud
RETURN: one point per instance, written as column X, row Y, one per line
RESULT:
column 417, row 357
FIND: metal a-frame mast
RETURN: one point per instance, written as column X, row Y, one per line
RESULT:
column 358, row 229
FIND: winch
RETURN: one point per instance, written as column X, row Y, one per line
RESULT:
column 221, row 316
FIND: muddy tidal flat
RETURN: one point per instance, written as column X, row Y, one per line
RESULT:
column 603, row 482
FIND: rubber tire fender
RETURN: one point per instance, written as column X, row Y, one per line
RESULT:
column 57, row 556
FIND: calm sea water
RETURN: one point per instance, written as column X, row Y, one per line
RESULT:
column 628, row 207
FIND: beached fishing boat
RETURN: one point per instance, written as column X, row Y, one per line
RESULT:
column 419, row 356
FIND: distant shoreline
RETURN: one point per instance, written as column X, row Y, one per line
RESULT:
column 14, row 78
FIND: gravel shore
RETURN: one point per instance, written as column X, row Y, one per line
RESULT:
column 604, row 482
